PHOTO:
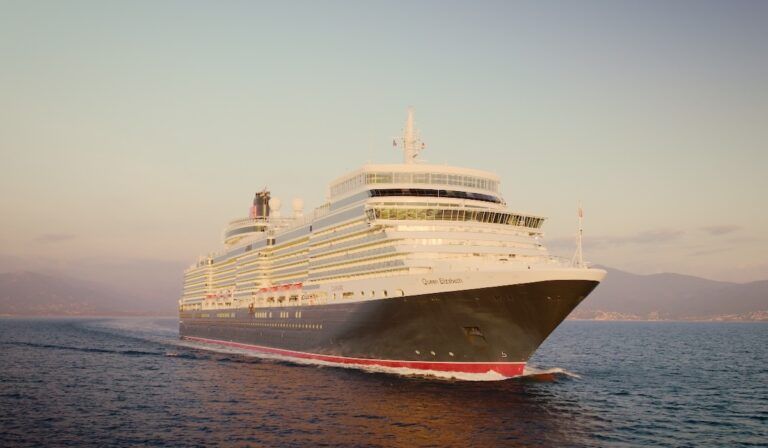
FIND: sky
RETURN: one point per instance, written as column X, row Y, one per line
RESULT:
column 131, row 132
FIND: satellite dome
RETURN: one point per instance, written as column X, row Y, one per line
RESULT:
column 275, row 204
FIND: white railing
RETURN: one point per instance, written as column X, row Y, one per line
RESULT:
column 271, row 223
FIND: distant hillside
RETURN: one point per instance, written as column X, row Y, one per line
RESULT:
column 622, row 296
column 673, row 296
column 29, row 293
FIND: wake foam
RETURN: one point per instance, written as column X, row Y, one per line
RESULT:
column 155, row 331
column 529, row 374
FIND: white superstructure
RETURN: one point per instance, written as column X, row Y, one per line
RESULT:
column 386, row 231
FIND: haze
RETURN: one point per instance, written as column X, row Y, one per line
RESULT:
column 132, row 132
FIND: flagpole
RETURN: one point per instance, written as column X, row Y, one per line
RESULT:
column 581, row 236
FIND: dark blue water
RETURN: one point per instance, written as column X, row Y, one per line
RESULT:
column 128, row 382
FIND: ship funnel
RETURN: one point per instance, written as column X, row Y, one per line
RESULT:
column 260, row 208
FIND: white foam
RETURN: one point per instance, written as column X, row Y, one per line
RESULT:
column 531, row 371
column 404, row 371
column 154, row 332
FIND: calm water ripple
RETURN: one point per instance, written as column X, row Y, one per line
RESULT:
column 129, row 382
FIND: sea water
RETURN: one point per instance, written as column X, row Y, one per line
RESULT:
column 131, row 382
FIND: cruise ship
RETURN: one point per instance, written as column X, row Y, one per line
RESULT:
column 406, row 267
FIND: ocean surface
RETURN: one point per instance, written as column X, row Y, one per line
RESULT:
column 131, row 382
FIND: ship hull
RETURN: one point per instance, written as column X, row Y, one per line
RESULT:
column 473, row 331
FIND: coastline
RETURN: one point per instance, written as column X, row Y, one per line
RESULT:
column 86, row 316
column 715, row 319
column 607, row 316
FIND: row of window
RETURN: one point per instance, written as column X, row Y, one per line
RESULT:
column 415, row 178
column 423, row 192
column 301, row 326
column 436, row 214
column 362, row 275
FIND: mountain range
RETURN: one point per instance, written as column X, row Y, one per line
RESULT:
column 621, row 296
column 38, row 294
column 626, row 296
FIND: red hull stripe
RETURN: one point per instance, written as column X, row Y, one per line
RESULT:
column 508, row 369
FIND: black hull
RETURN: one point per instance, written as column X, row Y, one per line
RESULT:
column 504, row 325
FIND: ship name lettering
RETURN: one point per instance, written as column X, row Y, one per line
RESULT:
column 441, row 281
column 449, row 281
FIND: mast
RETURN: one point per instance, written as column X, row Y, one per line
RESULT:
column 412, row 145
column 578, row 257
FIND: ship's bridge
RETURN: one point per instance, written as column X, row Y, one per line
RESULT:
column 416, row 180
